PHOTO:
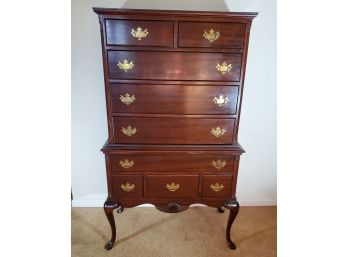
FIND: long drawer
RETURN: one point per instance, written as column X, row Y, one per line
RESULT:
column 159, row 65
column 174, row 99
column 214, row 162
column 176, row 130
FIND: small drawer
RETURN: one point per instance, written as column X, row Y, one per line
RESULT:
column 174, row 99
column 172, row 162
column 172, row 186
column 141, row 130
column 216, row 186
column 125, row 186
column 210, row 34
column 139, row 33
column 160, row 65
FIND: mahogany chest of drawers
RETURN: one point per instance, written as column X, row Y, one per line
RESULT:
column 173, row 84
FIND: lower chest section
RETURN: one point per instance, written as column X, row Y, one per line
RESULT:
column 160, row 176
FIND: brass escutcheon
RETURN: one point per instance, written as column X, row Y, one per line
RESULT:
column 125, row 65
column 126, row 164
column 127, row 99
column 223, row 67
column 172, row 187
column 139, row 33
column 218, row 164
column 218, row 132
column 127, row 187
column 129, row 131
column 217, row 187
column 211, row 36
column 221, row 100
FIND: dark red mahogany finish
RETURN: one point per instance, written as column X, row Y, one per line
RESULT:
column 173, row 112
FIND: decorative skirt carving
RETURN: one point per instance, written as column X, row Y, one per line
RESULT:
column 171, row 208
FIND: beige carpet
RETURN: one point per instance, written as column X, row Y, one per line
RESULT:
column 197, row 232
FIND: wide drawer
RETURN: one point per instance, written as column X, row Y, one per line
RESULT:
column 174, row 99
column 216, row 186
column 172, row 163
column 211, row 34
column 172, row 186
column 174, row 65
column 139, row 33
column 125, row 186
column 173, row 130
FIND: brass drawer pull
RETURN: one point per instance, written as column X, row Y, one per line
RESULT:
column 221, row 101
column 211, row 36
column 125, row 65
column 218, row 164
column 127, row 187
column 126, row 164
column 129, row 131
column 218, row 132
column 217, row 187
column 139, row 33
column 223, row 67
column 172, row 187
column 127, row 99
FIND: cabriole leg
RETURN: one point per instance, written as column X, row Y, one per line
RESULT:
column 109, row 206
column 233, row 206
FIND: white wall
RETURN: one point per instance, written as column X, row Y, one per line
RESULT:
column 257, row 133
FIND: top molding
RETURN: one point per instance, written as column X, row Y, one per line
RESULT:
column 120, row 11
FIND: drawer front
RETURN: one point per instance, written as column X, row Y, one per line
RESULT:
column 210, row 34
column 139, row 33
column 216, row 186
column 172, row 186
column 172, row 162
column 125, row 186
column 174, row 66
column 142, row 130
column 174, row 99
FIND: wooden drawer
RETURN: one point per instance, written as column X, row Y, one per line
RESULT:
column 174, row 130
column 211, row 34
column 174, row 99
column 172, row 186
column 216, row 186
column 172, row 162
column 125, row 186
column 159, row 33
column 174, row 65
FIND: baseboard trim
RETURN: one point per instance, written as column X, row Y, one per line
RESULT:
column 100, row 203
column 258, row 203
column 88, row 203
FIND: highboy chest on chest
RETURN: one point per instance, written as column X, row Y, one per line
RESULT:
column 173, row 86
